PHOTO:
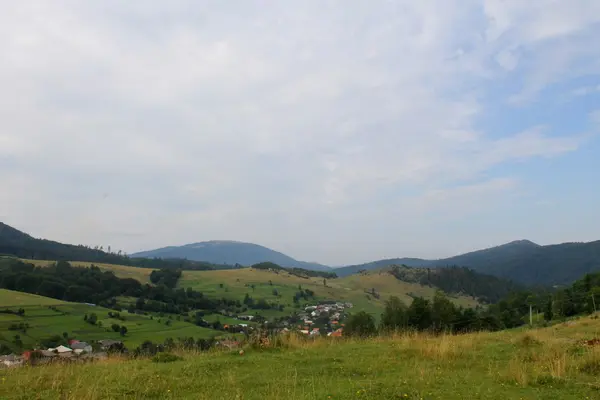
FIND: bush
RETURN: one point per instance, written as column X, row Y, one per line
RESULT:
column 360, row 324
column 528, row 341
column 165, row 358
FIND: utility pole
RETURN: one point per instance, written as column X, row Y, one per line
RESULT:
column 530, row 315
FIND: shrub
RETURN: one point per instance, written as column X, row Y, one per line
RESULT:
column 528, row 341
column 360, row 324
column 165, row 358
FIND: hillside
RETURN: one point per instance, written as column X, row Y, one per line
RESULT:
column 280, row 286
column 19, row 244
column 229, row 252
column 548, row 363
column 521, row 261
column 354, row 269
column 46, row 317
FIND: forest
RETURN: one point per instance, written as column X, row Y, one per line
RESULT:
column 486, row 288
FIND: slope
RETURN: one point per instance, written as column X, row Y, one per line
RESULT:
column 521, row 261
column 544, row 363
column 229, row 252
column 19, row 244
column 46, row 317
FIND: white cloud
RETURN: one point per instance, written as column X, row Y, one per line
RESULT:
column 144, row 124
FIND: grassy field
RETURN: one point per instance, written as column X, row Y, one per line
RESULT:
column 122, row 271
column 68, row 317
column 547, row 364
column 234, row 284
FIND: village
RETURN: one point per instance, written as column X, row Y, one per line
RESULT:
column 314, row 321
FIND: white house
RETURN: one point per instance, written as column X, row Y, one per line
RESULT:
column 60, row 349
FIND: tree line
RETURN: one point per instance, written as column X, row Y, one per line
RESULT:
column 92, row 285
column 486, row 288
column 300, row 272
column 514, row 310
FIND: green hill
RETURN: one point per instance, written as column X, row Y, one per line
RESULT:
column 46, row 317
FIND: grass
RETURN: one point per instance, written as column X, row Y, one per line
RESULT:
column 546, row 363
column 68, row 317
column 236, row 283
column 122, row 271
column 9, row 298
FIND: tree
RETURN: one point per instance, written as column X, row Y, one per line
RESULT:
column 419, row 314
column 360, row 324
column 115, row 327
column 394, row 315
column 65, row 335
column 123, row 330
column 92, row 319
column 443, row 312
column 18, row 341
column 548, row 313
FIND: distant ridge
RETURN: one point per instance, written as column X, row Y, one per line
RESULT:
column 230, row 252
column 521, row 260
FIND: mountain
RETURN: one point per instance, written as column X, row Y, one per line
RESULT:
column 15, row 243
column 521, row 261
column 230, row 252
column 19, row 244
column 490, row 258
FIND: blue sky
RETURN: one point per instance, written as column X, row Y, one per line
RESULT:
column 338, row 132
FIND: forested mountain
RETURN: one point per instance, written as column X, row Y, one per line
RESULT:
column 18, row 244
column 230, row 252
column 459, row 280
column 521, row 261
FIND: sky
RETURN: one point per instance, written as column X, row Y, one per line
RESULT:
column 333, row 131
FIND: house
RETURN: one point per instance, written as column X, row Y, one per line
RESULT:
column 304, row 331
column 81, row 347
column 36, row 357
column 10, row 361
column 315, row 332
column 246, row 317
column 337, row 333
column 60, row 349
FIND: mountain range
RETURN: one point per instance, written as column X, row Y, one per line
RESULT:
column 230, row 252
column 521, row 261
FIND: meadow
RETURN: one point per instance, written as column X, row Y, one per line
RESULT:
column 548, row 363
column 280, row 286
column 68, row 317
column 262, row 283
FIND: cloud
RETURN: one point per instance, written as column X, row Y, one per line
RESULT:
column 146, row 125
